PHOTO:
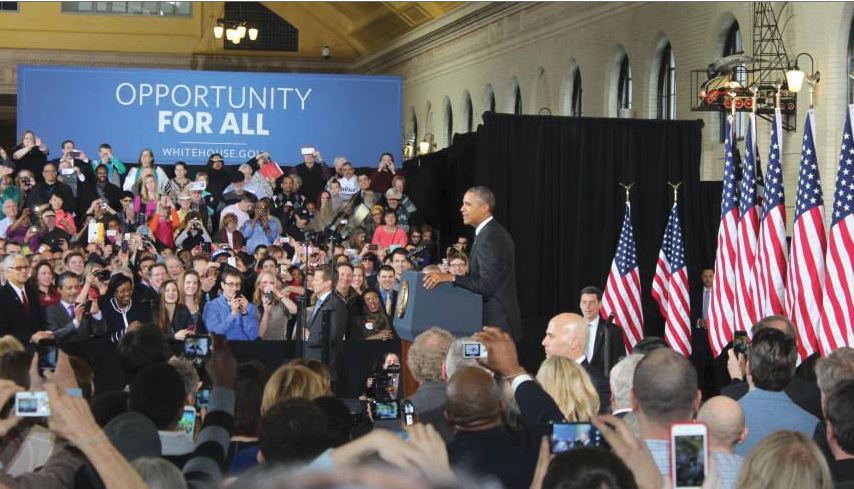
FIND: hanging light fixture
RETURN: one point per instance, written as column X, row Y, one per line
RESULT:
column 235, row 30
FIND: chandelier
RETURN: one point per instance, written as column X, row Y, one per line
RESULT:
column 235, row 30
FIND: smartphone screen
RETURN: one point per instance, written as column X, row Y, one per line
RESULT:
column 203, row 397
column 47, row 355
column 197, row 346
column 739, row 342
column 385, row 410
column 689, row 450
column 568, row 436
column 188, row 421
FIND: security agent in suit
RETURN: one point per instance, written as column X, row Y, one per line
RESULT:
column 492, row 268
column 22, row 314
column 566, row 336
column 601, row 333
column 69, row 321
column 701, row 352
column 326, row 301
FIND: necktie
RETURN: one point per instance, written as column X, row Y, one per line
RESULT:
column 71, row 311
column 706, row 301
column 315, row 311
column 388, row 304
column 25, row 302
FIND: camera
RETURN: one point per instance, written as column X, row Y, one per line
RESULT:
column 32, row 404
column 47, row 352
column 197, row 346
column 739, row 342
column 103, row 275
column 384, row 379
column 473, row 349
column 385, row 410
column 268, row 296
column 570, row 435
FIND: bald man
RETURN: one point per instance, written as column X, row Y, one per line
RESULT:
column 481, row 442
column 725, row 420
column 566, row 336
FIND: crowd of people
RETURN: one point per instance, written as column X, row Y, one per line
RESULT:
column 128, row 270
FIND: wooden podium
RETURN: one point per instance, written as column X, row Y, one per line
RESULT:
column 447, row 306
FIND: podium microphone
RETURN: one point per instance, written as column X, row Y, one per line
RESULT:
column 606, row 365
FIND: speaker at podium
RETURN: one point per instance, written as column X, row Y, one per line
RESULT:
column 451, row 308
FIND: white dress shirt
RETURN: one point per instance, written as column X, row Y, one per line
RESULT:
column 591, row 340
column 480, row 226
column 18, row 291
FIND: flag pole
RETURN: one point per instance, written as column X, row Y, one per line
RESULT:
column 628, row 188
column 675, row 187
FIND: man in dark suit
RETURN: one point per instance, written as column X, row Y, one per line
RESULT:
column 804, row 393
column 326, row 301
column 41, row 193
column 601, row 333
column 388, row 296
column 492, row 266
column 567, row 336
column 701, row 352
column 69, row 321
column 22, row 314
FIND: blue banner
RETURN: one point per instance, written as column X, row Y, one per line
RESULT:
column 187, row 115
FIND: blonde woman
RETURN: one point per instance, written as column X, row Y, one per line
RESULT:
column 274, row 307
column 148, row 197
column 785, row 460
column 570, row 387
column 290, row 381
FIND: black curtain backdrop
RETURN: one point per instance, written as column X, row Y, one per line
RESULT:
column 556, row 182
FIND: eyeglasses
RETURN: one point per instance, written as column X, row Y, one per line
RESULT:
column 48, row 171
column 457, row 264
column 50, row 216
column 232, row 284
column 20, row 268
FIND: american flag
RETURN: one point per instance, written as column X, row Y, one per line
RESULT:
column 722, row 302
column 670, row 287
column 748, row 235
column 771, row 258
column 806, row 257
column 837, row 319
column 622, row 296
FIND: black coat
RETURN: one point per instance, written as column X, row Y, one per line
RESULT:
column 41, row 193
column 14, row 320
column 492, row 274
column 338, row 328
column 616, row 346
column 601, row 384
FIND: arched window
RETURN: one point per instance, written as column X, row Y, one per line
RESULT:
column 449, row 126
column 517, row 100
column 467, row 112
column 624, row 85
column 733, row 45
column 449, row 122
column 576, row 93
column 667, row 84
column 413, row 124
column 488, row 101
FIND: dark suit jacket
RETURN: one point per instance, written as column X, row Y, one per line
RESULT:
column 338, row 328
column 802, row 392
column 601, row 384
column 13, row 319
column 492, row 274
column 62, row 324
column 615, row 345
column 494, row 452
